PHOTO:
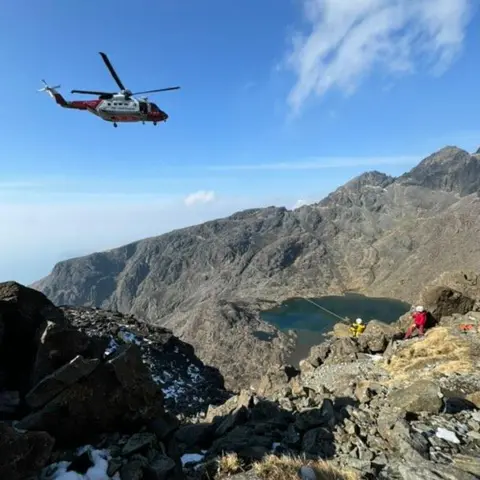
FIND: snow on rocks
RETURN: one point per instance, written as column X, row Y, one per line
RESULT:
column 97, row 471
column 447, row 435
column 188, row 385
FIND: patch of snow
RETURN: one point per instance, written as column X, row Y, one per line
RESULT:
column 129, row 337
column 98, row 471
column 191, row 458
column 112, row 346
column 194, row 373
column 447, row 435
column 376, row 358
column 176, row 390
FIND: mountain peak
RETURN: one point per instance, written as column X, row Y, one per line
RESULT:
column 355, row 189
column 450, row 169
column 373, row 178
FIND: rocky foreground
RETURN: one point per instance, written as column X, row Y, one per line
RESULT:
column 90, row 394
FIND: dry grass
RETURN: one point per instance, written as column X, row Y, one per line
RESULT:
column 439, row 350
column 285, row 467
column 229, row 464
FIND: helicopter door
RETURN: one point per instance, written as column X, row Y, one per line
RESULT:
column 143, row 108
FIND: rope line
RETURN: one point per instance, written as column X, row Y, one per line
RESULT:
column 325, row 309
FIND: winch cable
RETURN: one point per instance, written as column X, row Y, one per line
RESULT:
column 326, row 310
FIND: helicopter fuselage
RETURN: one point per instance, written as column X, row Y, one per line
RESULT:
column 117, row 109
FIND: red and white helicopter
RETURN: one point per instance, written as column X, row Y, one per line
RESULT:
column 114, row 107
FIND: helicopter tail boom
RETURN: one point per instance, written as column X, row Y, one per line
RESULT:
column 55, row 95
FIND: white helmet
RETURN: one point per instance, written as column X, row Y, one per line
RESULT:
column 358, row 320
column 419, row 309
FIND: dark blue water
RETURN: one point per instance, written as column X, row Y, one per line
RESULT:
column 311, row 323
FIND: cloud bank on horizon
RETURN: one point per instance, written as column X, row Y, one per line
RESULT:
column 348, row 39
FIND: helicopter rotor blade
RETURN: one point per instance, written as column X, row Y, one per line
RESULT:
column 91, row 92
column 112, row 71
column 158, row 90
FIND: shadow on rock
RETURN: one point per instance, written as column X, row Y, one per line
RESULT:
column 253, row 428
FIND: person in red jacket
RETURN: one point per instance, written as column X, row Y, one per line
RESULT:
column 419, row 320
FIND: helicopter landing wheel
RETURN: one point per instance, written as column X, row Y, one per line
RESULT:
column 115, row 124
column 154, row 124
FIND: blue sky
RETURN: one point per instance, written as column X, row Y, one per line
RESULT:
column 280, row 101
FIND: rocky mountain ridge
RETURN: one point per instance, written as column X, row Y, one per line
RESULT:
column 376, row 407
column 372, row 235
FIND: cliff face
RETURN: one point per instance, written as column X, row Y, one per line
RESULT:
column 376, row 234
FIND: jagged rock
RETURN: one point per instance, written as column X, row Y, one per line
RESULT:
column 421, row 396
column 23, row 315
column 164, row 426
column 52, row 385
column 59, row 344
column 189, row 385
column 376, row 336
column 199, row 435
column 396, row 432
column 443, row 301
column 315, row 417
column 365, row 390
column 341, row 330
column 342, row 350
column 133, row 470
column 118, row 395
column 318, row 441
column 239, row 439
column 160, row 468
column 238, row 417
column 474, row 398
column 318, row 354
column 23, row 454
column 138, row 442
column 468, row 463
column 244, row 399
column 277, row 379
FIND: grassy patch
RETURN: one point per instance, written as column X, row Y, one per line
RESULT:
column 285, row 467
column 438, row 352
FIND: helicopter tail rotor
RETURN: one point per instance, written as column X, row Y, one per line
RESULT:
column 47, row 88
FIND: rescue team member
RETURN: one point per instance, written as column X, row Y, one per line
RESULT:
column 357, row 328
column 419, row 320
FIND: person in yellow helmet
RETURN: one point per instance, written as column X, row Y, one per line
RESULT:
column 357, row 328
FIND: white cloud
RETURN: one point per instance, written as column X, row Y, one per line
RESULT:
column 300, row 203
column 323, row 163
column 348, row 39
column 202, row 196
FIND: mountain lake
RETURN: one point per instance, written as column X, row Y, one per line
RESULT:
column 311, row 323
